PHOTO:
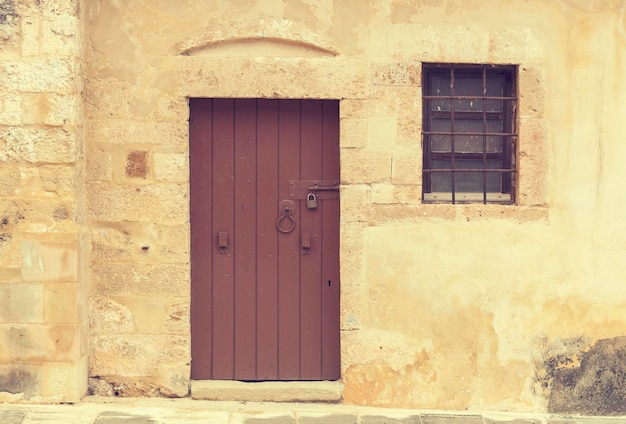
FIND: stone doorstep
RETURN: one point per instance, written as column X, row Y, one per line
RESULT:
column 267, row 391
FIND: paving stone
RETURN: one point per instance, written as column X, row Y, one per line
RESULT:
column 121, row 418
column 329, row 419
column 12, row 417
column 271, row 420
column 64, row 414
column 452, row 419
column 381, row 419
column 586, row 420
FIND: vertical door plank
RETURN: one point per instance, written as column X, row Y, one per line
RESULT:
column 331, row 357
column 310, row 268
column 288, row 245
column 200, row 152
column 245, row 239
column 267, row 239
column 223, row 265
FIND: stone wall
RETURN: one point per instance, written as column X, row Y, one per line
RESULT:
column 43, row 311
column 442, row 306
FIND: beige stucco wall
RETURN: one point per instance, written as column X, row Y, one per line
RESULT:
column 443, row 306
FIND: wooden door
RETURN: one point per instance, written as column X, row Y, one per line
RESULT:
column 264, row 266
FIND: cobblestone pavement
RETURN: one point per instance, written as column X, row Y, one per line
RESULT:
column 186, row 411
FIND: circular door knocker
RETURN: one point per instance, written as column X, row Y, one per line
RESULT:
column 285, row 222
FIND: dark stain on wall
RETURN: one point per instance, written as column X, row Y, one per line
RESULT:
column 597, row 386
column 7, row 12
column 18, row 379
column 137, row 164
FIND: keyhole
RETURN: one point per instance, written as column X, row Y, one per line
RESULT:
column 329, row 283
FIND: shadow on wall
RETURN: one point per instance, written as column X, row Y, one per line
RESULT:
column 597, row 386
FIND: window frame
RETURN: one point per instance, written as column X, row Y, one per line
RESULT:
column 506, row 118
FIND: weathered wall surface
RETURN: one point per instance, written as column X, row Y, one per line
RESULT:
column 43, row 297
column 460, row 307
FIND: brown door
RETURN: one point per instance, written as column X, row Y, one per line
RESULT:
column 264, row 239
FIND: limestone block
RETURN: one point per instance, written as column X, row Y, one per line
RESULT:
column 51, row 109
column 30, row 26
column 355, row 200
column 61, row 382
column 165, row 202
column 137, row 132
column 37, row 75
column 171, row 167
column 391, row 194
column 107, row 98
column 9, row 180
column 389, row 213
column 38, row 215
column 99, row 165
column 38, row 145
column 331, row 78
column 49, row 261
column 409, row 117
column 360, row 166
column 399, row 73
column 149, row 312
column 54, row 9
column 382, row 132
column 532, row 92
column 174, row 380
column 21, row 302
column 9, row 275
column 60, row 180
column 132, row 355
column 22, row 379
column 177, row 318
column 354, row 132
column 516, row 213
column 9, row 29
column 141, row 242
column 10, row 109
column 145, row 280
column 61, row 303
column 107, row 315
column 406, row 169
column 534, row 147
column 46, row 181
column 38, row 343
column 175, row 109
column 352, row 274
column 59, row 37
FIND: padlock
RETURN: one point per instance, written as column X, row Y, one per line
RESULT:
column 311, row 201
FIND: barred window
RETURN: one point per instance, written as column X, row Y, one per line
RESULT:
column 469, row 133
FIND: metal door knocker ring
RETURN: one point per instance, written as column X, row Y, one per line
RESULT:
column 285, row 213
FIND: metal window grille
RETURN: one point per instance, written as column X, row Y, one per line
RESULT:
column 469, row 133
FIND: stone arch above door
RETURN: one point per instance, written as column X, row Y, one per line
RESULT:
column 266, row 37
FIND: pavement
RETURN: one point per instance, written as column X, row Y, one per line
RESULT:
column 102, row 410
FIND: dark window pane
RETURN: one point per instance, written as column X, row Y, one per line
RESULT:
column 466, row 143
column 466, row 182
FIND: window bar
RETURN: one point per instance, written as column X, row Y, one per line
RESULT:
column 452, row 158
column 484, row 135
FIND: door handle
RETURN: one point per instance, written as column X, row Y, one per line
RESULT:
column 222, row 241
column 306, row 243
